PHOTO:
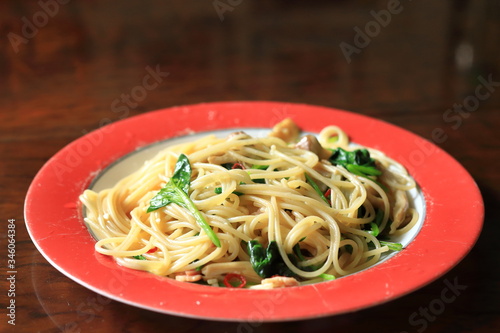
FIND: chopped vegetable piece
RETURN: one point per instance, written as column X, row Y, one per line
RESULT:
column 268, row 262
column 232, row 280
column 218, row 190
column 327, row 277
column 287, row 130
column 139, row 257
column 152, row 250
column 374, row 229
column 363, row 170
column 298, row 252
column 316, row 188
column 238, row 166
column 260, row 167
column 176, row 191
column 259, row 181
column 357, row 162
column 198, row 268
column 392, row 246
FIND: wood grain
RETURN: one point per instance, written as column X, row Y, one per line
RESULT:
column 71, row 74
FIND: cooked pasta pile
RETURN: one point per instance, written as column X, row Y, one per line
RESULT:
column 267, row 212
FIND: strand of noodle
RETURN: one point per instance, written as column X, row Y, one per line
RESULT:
column 220, row 223
column 333, row 131
column 410, row 225
column 109, row 203
column 352, row 259
column 302, row 229
column 224, row 146
column 333, row 249
column 356, row 256
column 313, row 173
column 178, row 237
column 380, row 191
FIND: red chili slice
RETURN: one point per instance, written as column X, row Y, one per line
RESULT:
column 234, row 277
column 238, row 166
column 152, row 250
column 328, row 193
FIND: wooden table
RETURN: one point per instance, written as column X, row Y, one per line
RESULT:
column 67, row 68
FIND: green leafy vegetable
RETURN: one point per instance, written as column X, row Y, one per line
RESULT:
column 259, row 181
column 228, row 166
column 139, row 257
column 327, row 277
column 218, row 190
column 363, row 170
column 316, row 188
column 259, row 167
column 348, row 248
column 375, row 231
column 357, row 162
column 298, row 252
column 267, row 262
column 176, row 191
column 392, row 246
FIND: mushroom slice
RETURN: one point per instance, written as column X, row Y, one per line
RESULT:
column 287, row 130
column 311, row 143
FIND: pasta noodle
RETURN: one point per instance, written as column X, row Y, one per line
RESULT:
column 278, row 213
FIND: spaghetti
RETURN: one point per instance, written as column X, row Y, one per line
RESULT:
column 264, row 212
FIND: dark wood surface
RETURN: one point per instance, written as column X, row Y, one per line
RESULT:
column 66, row 67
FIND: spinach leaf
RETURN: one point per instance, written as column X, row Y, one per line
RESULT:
column 139, row 257
column 316, row 188
column 176, row 191
column 260, row 167
column 374, row 226
column 298, row 252
column 267, row 262
column 218, row 190
column 228, row 166
column 357, row 162
column 392, row 246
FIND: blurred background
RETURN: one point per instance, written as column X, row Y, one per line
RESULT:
column 69, row 67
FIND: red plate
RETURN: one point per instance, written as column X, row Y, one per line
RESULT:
column 54, row 216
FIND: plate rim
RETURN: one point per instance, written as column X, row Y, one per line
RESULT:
column 211, row 115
